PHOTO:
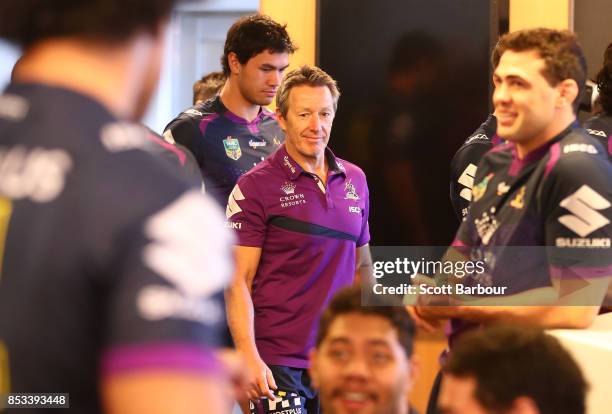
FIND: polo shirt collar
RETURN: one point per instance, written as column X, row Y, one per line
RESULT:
column 293, row 169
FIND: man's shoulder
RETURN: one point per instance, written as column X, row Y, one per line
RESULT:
column 195, row 114
column 350, row 168
column 599, row 126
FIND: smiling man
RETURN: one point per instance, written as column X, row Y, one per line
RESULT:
column 549, row 186
column 301, row 218
column 232, row 132
column 363, row 362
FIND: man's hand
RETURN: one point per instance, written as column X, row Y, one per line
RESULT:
column 260, row 380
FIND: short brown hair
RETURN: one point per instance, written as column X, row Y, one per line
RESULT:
column 512, row 362
column 563, row 57
column 208, row 86
column 305, row 75
column 348, row 301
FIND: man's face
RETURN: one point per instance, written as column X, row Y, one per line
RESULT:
column 260, row 77
column 309, row 120
column 457, row 396
column 525, row 103
column 361, row 367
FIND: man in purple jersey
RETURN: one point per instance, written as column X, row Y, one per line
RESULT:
column 301, row 218
column 549, row 186
column 233, row 131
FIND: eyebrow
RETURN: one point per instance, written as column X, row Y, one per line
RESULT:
column 269, row 66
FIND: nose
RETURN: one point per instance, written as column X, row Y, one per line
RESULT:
column 500, row 94
column 275, row 78
column 357, row 368
column 315, row 122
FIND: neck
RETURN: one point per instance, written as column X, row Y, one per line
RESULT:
column 551, row 131
column 111, row 75
column 314, row 165
column 233, row 100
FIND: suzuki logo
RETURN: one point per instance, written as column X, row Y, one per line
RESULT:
column 582, row 204
column 467, row 180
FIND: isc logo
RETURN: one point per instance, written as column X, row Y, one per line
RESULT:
column 353, row 209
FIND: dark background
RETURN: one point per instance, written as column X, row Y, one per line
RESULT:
column 415, row 83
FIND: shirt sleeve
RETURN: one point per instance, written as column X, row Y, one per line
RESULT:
column 245, row 213
column 576, row 201
column 364, row 237
column 184, row 130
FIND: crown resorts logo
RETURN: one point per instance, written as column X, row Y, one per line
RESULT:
column 288, row 188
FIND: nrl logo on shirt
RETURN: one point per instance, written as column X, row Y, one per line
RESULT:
column 232, row 148
column 351, row 193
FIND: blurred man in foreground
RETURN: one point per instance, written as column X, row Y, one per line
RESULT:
column 362, row 362
column 503, row 370
column 105, row 292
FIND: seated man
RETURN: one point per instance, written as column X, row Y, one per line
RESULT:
column 511, row 370
column 362, row 361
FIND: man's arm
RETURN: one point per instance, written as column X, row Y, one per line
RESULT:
column 363, row 265
column 239, row 307
column 552, row 310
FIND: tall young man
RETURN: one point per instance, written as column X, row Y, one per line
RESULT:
column 301, row 218
column 233, row 132
column 100, row 294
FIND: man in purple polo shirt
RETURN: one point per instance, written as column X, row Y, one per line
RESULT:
column 301, row 218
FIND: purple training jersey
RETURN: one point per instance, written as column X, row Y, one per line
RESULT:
column 308, row 233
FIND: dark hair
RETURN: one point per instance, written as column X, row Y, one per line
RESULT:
column 25, row 22
column 208, row 86
column 348, row 300
column 510, row 362
column 604, row 81
column 563, row 57
column 251, row 35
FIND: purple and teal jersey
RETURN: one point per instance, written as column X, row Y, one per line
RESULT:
column 308, row 232
column 557, row 196
column 600, row 128
column 224, row 144
column 110, row 261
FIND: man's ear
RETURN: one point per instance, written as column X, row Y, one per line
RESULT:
column 281, row 120
column 568, row 93
column 233, row 63
column 313, row 371
column 524, row 405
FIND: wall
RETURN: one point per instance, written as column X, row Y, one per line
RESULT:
column 555, row 14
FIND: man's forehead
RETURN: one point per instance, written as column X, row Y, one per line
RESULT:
column 311, row 95
column 271, row 57
column 362, row 327
column 524, row 63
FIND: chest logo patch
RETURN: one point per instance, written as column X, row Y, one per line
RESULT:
column 583, row 204
column 502, row 188
column 288, row 188
column 481, row 188
column 351, row 193
column 518, row 201
column 232, row 148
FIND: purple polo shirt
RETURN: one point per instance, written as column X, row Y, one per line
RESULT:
column 308, row 233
